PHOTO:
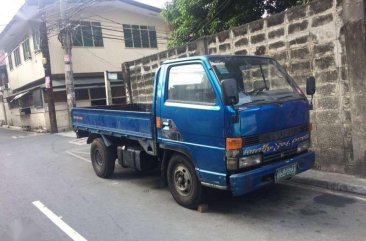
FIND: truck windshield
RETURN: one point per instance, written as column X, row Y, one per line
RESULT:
column 259, row 79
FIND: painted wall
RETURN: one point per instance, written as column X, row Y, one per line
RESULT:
column 90, row 59
column 114, row 52
column 29, row 70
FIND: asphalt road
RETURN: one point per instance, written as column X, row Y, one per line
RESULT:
column 52, row 171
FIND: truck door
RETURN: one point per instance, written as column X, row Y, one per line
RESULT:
column 192, row 118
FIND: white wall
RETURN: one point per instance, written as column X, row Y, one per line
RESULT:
column 90, row 59
column 113, row 54
column 29, row 70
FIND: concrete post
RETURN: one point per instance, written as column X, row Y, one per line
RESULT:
column 355, row 36
column 108, row 90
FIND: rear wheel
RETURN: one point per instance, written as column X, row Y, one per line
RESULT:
column 183, row 182
column 103, row 159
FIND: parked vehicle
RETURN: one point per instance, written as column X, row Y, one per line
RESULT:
column 229, row 122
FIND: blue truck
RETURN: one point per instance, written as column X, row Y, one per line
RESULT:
column 228, row 122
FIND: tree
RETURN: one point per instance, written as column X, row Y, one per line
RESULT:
column 191, row 19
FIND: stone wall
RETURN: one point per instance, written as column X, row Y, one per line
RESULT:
column 307, row 40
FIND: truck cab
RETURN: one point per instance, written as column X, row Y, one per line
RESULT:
column 228, row 122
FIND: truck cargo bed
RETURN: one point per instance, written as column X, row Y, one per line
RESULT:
column 127, row 120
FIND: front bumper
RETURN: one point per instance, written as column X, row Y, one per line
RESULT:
column 245, row 182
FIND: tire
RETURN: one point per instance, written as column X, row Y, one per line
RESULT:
column 103, row 159
column 183, row 182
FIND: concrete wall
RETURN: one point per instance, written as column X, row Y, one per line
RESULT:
column 308, row 40
column 355, row 41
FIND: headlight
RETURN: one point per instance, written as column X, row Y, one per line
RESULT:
column 303, row 146
column 249, row 161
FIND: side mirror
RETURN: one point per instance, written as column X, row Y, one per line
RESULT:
column 310, row 89
column 230, row 92
column 310, row 85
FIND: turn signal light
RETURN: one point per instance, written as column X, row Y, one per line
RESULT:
column 234, row 143
column 158, row 122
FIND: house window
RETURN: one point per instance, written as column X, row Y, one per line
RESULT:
column 82, row 94
column 17, row 60
column 139, row 36
column 36, row 40
column 97, row 96
column 26, row 50
column 87, row 34
column 37, row 98
column 118, row 95
column 10, row 62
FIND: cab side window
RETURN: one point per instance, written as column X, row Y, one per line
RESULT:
column 190, row 84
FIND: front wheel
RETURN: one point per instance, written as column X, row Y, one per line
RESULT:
column 103, row 159
column 183, row 182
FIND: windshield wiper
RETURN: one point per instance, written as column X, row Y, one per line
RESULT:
column 252, row 102
column 257, row 91
column 287, row 96
column 284, row 97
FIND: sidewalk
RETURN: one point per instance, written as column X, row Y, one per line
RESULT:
column 332, row 181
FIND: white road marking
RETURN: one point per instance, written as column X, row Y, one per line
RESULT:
column 79, row 142
column 81, row 152
column 322, row 190
column 58, row 222
column 77, row 156
column 25, row 136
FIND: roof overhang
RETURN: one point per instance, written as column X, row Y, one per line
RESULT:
column 28, row 16
column 142, row 5
column 15, row 31
column 18, row 96
column 59, row 85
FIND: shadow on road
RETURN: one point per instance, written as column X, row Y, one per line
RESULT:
column 280, row 203
column 271, row 200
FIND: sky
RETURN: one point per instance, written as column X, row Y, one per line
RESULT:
column 8, row 8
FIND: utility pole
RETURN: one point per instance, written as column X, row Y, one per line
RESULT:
column 2, row 100
column 47, row 69
column 67, row 45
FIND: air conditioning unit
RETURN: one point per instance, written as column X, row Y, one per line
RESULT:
column 4, row 87
column 24, row 111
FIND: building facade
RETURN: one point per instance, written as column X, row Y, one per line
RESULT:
column 104, row 35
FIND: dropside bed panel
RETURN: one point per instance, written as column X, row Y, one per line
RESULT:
column 114, row 122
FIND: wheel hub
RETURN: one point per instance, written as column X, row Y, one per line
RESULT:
column 182, row 180
column 98, row 158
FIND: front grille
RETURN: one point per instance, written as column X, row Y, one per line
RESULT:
column 279, row 155
column 273, row 136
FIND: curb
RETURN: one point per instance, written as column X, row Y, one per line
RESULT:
column 17, row 128
column 358, row 187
